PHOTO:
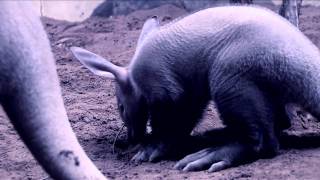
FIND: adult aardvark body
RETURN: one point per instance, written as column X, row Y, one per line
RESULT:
column 30, row 95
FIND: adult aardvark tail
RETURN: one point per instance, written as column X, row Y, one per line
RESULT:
column 30, row 95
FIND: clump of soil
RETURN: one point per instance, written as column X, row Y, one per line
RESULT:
column 91, row 106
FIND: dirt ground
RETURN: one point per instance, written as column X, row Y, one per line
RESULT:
column 91, row 107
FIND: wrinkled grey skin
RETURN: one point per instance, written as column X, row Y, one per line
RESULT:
column 30, row 95
column 250, row 61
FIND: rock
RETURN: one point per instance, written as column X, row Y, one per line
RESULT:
column 124, row 7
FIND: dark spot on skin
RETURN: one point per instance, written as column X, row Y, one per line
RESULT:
column 70, row 155
column 76, row 161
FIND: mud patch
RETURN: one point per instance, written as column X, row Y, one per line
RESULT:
column 70, row 156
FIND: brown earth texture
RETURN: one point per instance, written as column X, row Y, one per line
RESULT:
column 92, row 110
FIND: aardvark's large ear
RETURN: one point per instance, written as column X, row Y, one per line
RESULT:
column 99, row 65
column 148, row 26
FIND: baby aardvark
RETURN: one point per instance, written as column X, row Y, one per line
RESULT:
column 249, row 60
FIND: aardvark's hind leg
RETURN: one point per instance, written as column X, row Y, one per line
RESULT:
column 249, row 116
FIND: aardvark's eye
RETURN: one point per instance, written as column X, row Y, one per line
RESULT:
column 121, row 108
